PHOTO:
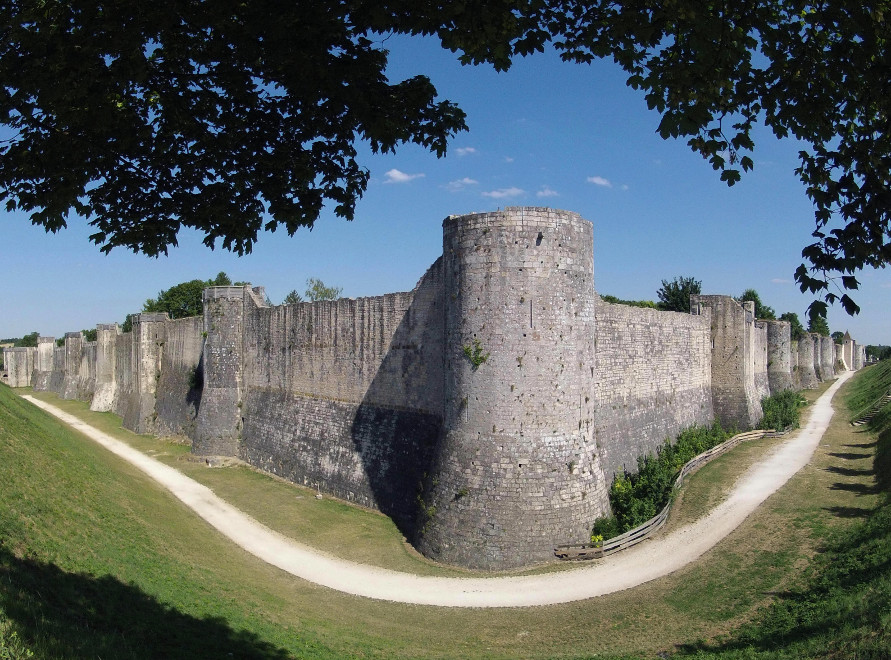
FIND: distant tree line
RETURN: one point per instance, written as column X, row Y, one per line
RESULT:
column 674, row 296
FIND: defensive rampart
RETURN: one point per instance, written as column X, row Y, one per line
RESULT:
column 485, row 411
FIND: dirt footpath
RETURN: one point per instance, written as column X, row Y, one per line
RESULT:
column 642, row 563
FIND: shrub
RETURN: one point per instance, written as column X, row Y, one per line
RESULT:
column 782, row 410
column 635, row 498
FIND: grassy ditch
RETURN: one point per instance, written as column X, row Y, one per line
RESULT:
column 843, row 608
column 97, row 561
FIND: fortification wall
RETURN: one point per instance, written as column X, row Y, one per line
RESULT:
column 759, row 357
column 734, row 397
column 807, row 375
column 347, row 395
column 517, row 468
column 178, row 394
column 18, row 364
column 827, row 357
column 818, row 357
column 780, row 356
column 652, row 380
column 485, row 411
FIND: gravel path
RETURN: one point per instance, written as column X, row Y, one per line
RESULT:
column 647, row 561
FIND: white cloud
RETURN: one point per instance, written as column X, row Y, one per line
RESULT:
column 502, row 193
column 600, row 181
column 465, row 151
column 547, row 192
column 395, row 176
column 508, row 159
column 780, row 280
column 624, row 186
column 460, row 184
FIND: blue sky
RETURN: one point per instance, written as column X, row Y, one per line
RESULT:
column 545, row 133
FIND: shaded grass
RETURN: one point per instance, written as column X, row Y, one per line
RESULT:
column 91, row 515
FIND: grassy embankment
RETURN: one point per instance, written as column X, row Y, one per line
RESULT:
column 96, row 561
column 843, row 608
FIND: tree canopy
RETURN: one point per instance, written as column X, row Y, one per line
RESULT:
column 184, row 299
column 796, row 329
column 316, row 290
column 674, row 296
column 234, row 118
column 819, row 325
column 762, row 311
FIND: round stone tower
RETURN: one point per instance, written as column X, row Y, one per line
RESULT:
column 779, row 356
column 517, row 469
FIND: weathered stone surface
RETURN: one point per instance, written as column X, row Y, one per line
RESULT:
column 780, row 356
column 735, row 398
column 485, row 411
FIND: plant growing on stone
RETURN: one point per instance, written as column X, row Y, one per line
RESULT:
column 474, row 353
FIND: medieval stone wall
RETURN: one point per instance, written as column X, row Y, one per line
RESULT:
column 485, row 411
column 347, row 395
column 653, row 379
column 780, row 358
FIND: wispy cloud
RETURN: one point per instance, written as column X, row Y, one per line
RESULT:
column 625, row 186
column 503, row 193
column 465, row 151
column 460, row 184
column 780, row 280
column 395, row 176
column 600, row 181
column 547, row 192
column 508, row 159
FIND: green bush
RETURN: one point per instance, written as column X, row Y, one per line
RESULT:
column 635, row 498
column 782, row 410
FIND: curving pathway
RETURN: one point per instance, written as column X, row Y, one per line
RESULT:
column 642, row 563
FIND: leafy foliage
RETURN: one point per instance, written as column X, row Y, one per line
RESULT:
column 231, row 119
column 819, row 325
column 649, row 304
column 635, row 498
column 292, row 298
column 28, row 340
column 762, row 311
column 184, row 299
column 315, row 290
column 796, row 330
column 782, row 410
column 674, row 296
column 90, row 335
column 878, row 352
column 838, row 337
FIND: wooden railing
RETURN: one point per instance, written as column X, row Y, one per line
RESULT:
column 653, row 525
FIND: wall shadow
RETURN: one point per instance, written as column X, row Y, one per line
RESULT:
column 80, row 615
column 396, row 443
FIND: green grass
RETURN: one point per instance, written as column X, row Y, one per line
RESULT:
column 97, row 561
column 843, row 609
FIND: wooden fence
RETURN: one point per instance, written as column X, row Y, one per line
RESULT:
column 653, row 525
